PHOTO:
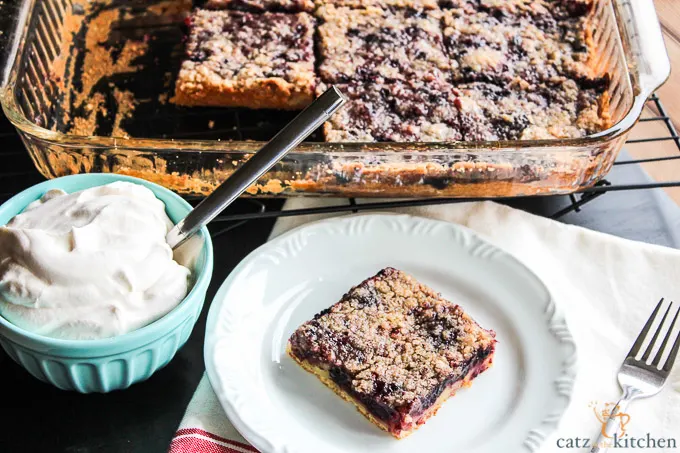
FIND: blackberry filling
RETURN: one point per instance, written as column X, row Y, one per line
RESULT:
column 394, row 348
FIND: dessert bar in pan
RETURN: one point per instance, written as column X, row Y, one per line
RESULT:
column 395, row 349
column 410, row 4
column 310, row 5
column 243, row 59
column 515, row 49
column 262, row 5
column 470, row 70
column 378, row 46
column 439, row 111
column 397, row 112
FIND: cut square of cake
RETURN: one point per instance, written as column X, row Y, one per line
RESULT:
column 375, row 45
column 243, row 59
column 485, row 48
column 262, row 5
column 395, row 349
column 545, row 13
column 563, row 110
column 412, row 4
column 404, row 112
column 565, row 21
column 395, row 112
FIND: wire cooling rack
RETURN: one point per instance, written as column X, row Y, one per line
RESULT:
column 17, row 172
column 575, row 201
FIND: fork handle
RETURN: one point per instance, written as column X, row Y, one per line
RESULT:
column 611, row 428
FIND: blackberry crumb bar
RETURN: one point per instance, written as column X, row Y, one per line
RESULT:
column 480, row 111
column 402, row 112
column 542, row 11
column 262, row 5
column 412, row 4
column 512, row 50
column 395, row 349
column 562, row 110
column 375, row 45
column 242, row 59
column 565, row 21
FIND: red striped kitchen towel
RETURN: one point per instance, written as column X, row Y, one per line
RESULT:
column 205, row 427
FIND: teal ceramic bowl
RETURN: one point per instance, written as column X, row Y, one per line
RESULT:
column 118, row 362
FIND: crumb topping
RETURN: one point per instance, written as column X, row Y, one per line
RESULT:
column 562, row 20
column 480, row 111
column 262, row 5
column 565, row 110
column 413, row 4
column 481, row 70
column 517, row 70
column 394, row 340
column 398, row 112
column 375, row 45
column 508, row 50
column 235, row 47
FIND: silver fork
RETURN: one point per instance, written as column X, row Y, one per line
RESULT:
column 637, row 378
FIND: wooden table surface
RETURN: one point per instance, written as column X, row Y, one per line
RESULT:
column 669, row 16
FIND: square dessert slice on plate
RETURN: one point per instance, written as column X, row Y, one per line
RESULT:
column 262, row 5
column 395, row 349
column 375, row 45
column 242, row 59
column 403, row 112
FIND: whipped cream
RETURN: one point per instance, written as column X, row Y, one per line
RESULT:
column 90, row 264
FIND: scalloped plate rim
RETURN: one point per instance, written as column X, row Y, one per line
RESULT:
column 535, row 436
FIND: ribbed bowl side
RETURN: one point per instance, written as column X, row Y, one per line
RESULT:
column 108, row 373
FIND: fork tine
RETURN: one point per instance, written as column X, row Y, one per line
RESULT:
column 657, row 359
column 641, row 338
column 674, row 352
column 648, row 352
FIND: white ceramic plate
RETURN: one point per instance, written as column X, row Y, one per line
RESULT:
column 279, row 407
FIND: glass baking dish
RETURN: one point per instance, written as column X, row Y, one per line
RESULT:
column 193, row 150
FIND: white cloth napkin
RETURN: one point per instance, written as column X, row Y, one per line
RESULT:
column 607, row 287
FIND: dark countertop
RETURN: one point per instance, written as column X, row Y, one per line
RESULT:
column 36, row 417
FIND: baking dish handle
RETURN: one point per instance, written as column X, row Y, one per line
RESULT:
column 14, row 15
column 648, row 59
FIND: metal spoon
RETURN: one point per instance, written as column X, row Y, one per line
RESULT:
column 288, row 138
